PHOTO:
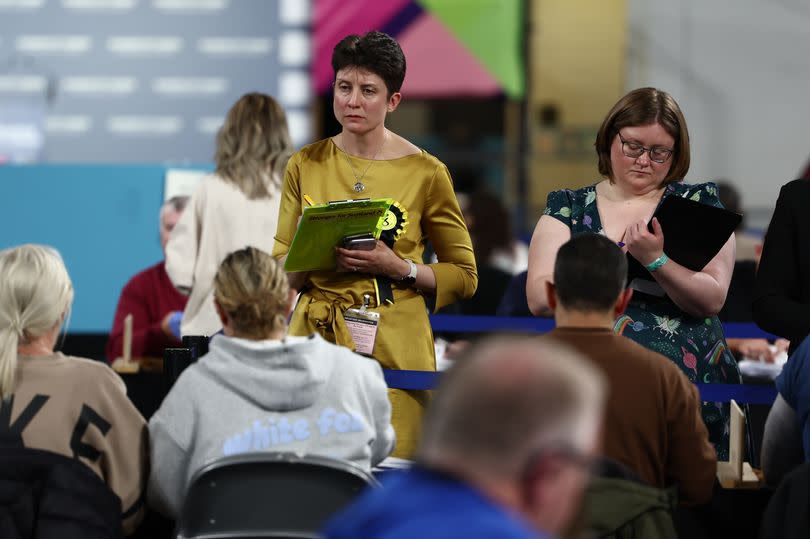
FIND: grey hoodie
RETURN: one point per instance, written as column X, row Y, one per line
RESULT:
column 301, row 395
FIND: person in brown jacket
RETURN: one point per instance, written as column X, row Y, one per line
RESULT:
column 67, row 405
column 653, row 423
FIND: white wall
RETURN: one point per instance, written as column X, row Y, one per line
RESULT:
column 740, row 69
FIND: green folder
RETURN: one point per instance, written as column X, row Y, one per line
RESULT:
column 324, row 226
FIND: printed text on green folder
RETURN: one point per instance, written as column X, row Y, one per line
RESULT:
column 323, row 226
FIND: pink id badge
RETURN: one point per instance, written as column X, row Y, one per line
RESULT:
column 362, row 325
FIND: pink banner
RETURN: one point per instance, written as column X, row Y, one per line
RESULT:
column 440, row 65
column 335, row 19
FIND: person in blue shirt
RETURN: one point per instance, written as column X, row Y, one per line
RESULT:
column 505, row 450
column 786, row 441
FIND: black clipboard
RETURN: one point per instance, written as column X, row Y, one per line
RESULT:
column 693, row 234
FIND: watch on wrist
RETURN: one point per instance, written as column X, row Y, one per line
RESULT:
column 410, row 278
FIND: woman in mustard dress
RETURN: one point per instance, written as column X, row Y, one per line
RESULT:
column 366, row 160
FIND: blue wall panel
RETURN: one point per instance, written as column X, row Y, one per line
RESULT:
column 103, row 219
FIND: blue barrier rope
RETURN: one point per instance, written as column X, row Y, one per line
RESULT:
column 743, row 394
column 745, row 330
column 396, row 379
column 421, row 380
column 453, row 323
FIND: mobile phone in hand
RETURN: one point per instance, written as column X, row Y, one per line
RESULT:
column 362, row 242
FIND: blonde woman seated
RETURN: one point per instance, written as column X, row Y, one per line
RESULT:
column 66, row 405
column 258, row 389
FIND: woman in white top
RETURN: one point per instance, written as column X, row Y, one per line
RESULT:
column 234, row 207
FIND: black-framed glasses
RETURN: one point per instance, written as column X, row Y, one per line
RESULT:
column 635, row 150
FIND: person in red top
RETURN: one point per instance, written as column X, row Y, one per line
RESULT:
column 155, row 304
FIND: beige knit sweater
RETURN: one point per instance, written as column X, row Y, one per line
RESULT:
column 79, row 408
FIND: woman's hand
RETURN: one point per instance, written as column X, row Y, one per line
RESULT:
column 756, row 349
column 378, row 261
column 645, row 246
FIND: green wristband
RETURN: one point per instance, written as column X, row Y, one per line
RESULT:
column 657, row 263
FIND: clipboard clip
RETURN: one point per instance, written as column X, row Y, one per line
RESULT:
column 348, row 201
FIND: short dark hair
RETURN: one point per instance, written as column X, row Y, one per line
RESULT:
column 645, row 106
column 374, row 51
column 589, row 274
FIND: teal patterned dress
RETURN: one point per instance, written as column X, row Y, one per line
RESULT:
column 696, row 345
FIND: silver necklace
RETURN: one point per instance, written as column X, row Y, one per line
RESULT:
column 359, row 187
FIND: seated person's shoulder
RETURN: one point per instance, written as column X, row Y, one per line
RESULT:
column 345, row 357
column 90, row 375
column 143, row 278
column 345, row 360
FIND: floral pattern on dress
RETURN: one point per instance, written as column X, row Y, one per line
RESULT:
column 696, row 345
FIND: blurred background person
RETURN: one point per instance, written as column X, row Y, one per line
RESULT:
column 740, row 297
column 514, row 302
column 781, row 303
column 234, row 207
column 643, row 150
column 67, row 405
column 786, row 441
column 150, row 297
column 505, row 451
column 748, row 245
column 496, row 255
column 368, row 160
column 259, row 389
column 480, row 204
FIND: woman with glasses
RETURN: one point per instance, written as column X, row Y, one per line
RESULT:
column 643, row 150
